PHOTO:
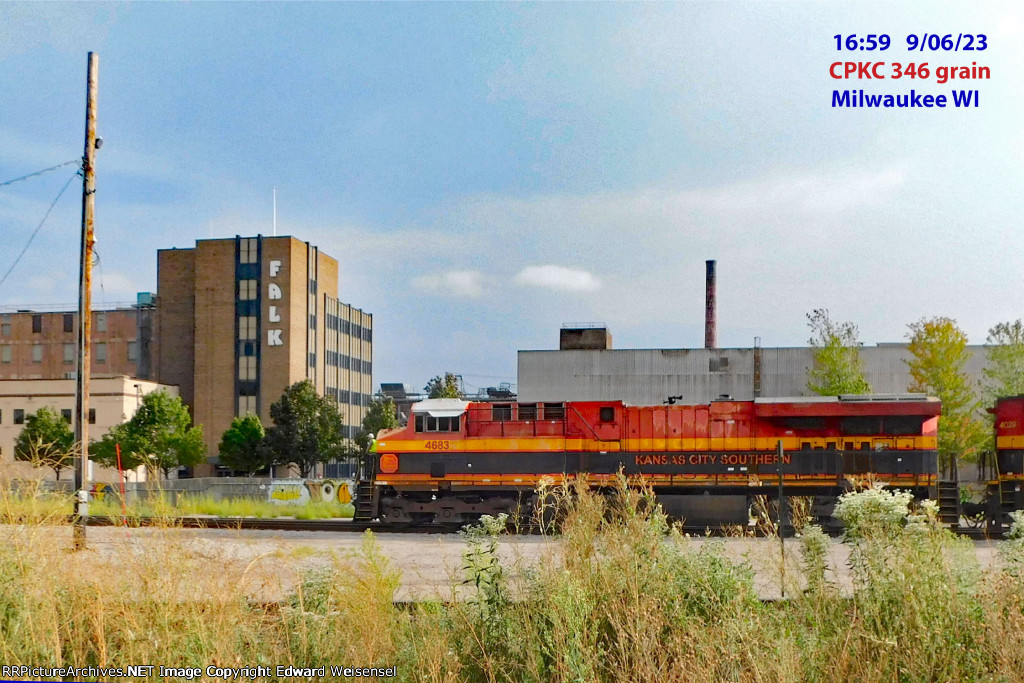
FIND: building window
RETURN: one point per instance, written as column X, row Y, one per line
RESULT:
column 501, row 412
column 37, row 324
column 246, row 368
column 719, row 364
column 69, row 354
column 246, row 290
column 528, row 411
column 246, row 327
column 312, row 322
column 246, row 405
column 5, row 325
column 101, row 322
column 19, row 416
column 247, row 250
column 66, row 414
column 101, row 352
column 312, row 360
column 37, row 353
column 69, row 322
column 133, row 351
column 5, row 354
column 92, row 416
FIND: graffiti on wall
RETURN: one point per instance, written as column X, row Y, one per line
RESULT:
column 304, row 491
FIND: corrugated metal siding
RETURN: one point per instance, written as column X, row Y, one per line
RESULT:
column 649, row 376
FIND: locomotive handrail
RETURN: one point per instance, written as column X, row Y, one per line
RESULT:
column 596, row 437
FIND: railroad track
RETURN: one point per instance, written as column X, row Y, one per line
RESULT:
column 269, row 523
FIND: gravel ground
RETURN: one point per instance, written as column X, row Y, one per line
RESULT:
column 269, row 563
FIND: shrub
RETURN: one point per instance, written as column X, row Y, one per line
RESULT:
column 815, row 546
column 873, row 512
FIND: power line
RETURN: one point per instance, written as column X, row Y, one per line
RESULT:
column 45, row 170
column 38, row 227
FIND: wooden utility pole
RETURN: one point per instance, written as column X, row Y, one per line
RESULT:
column 85, row 310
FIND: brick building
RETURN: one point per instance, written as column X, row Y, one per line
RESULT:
column 235, row 322
column 241, row 319
column 42, row 345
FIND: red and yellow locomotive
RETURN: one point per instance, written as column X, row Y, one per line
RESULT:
column 1006, row 490
column 456, row 460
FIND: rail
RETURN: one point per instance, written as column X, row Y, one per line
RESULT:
column 271, row 524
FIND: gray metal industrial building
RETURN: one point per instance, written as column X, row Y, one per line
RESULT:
column 586, row 368
column 650, row 376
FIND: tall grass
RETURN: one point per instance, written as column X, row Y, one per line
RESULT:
column 622, row 596
column 32, row 505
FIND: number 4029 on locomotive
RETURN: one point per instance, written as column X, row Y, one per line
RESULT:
column 456, row 460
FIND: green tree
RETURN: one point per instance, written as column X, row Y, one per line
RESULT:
column 836, row 352
column 46, row 441
column 242, row 446
column 160, row 436
column 307, row 429
column 444, row 386
column 380, row 415
column 1004, row 371
column 104, row 451
column 938, row 349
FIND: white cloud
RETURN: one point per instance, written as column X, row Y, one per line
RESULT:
column 458, row 283
column 558, row 278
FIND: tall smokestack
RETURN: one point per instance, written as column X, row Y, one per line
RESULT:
column 710, row 331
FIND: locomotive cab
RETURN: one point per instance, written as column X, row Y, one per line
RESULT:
column 438, row 415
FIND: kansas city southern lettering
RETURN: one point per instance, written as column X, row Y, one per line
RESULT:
column 700, row 459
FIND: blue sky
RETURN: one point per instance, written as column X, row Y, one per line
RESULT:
column 485, row 172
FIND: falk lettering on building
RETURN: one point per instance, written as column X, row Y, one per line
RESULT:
column 273, row 315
